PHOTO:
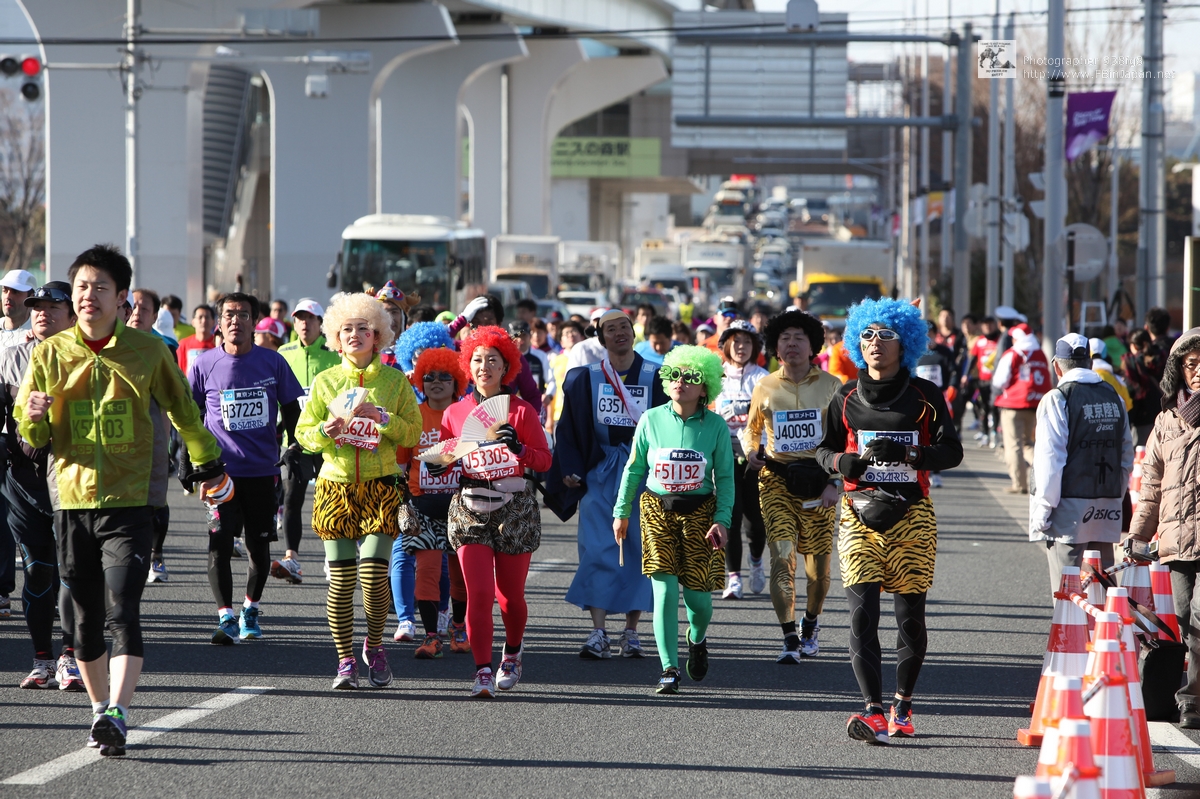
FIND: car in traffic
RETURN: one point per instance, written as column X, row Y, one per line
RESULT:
column 582, row 302
column 547, row 307
column 631, row 298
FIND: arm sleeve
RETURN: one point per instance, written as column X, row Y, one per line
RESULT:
column 633, row 473
column 723, row 475
column 36, row 435
column 308, row 427
column 291, row 414
column 1049, row 458
column 404, row 426
column 458, row 324
column 1144, row 525
column 834, row 442
column 170, row 389
column 755, row 421
column 944, row 450
column 536, row 453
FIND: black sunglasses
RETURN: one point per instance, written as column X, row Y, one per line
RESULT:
column 438, row 377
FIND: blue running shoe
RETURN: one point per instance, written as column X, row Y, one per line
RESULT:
column 248, row 624
column 109, row 729
column 227, row 631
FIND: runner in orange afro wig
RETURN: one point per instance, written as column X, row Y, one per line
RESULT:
column 439, row 359
column 497, row 339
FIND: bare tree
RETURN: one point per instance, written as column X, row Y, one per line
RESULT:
column 22, row 182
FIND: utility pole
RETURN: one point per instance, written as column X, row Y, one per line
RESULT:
column 905, row 284
column 1114, row 281
column 992, row 265
column 1056, row 200
column 923, row 190
column 947, row 165
column 131, row 72
column 962, row 174
column 1151, row 269
column 1010, row 181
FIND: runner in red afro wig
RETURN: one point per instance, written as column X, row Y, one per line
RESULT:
column 439, row 359
column 497, row 339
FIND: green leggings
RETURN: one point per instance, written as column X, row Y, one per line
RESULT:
column 666, row 616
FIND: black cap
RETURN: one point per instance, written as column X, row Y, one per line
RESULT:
column 518, row 328
column 55, row 291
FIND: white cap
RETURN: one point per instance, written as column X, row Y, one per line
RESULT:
column 1097, row 347
column 18, row 280
column 1071, row 345
column 597, row 313
column 1009, row 312
column 311, row 306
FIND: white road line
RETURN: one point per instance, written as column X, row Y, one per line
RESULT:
column 543, row 566
column 1167, row 738
column 40, row 775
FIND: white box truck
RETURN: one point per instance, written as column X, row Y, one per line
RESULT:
column 588, row 265
column 533, row 259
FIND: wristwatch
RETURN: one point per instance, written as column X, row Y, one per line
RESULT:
column 912, row 454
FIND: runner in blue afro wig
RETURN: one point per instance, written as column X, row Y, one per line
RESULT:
column 899, row 315
column 418, row 337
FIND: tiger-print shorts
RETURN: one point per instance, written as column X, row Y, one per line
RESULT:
column 353, row 510
column 902, row 559
column 422, row 530
column 811, row 529
column 514, row 529
column 675, row 543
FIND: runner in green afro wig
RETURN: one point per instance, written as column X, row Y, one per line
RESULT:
column 702, row 359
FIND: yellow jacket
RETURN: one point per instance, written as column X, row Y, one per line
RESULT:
column 1108, row 377
column 99, row 423
column 391, row 391
column 775, row 394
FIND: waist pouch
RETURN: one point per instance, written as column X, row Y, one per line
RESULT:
column 804, row 479
column 435, row 506
column 484, row 497
column 878, row 509
column 682, row 503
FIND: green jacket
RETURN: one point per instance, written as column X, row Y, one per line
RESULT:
column 391, row 391
column 308, row 362
column 661, row 431
column 99, row 423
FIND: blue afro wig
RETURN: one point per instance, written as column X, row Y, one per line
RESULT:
column 421, row 336
column 898, row 315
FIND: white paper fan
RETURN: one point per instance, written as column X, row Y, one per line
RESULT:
column 485, row 418
column 448, row 451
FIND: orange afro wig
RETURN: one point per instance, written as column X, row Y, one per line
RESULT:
column 439, row 359
column 497, row 339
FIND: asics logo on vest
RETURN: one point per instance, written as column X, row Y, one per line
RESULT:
column 1102, row 515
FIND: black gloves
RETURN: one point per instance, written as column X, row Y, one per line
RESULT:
column 437, row 469
column 291, row 458
column 205, row 471
column 886, row 450
column 852, row 466
column 508, row 434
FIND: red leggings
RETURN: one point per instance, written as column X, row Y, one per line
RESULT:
column 492, row 576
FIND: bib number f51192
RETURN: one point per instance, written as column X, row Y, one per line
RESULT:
column 679, row 470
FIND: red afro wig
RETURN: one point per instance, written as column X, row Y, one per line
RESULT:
column 439, row 359
column 497, row 339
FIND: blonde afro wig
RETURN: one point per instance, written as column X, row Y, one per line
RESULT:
column 345, row 305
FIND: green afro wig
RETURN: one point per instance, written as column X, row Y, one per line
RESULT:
column 704, row 360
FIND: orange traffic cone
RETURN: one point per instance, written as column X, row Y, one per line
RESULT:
column 1066, row 652
column 1094, row 591
column 1100, row 662
column 1137, row 582
column 1027, row 787
column 1075, row 762
column 1066, row 702
column 1164, row 600
column 1118, row 602
column 1112, row 739
column 1135, row 477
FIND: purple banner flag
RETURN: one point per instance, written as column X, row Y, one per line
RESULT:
column 1087, row 120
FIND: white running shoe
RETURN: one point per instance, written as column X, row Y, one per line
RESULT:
column 758, row 576
column 287, row 569
column 809, row 644
column 405, row 631
column 67, row 674
column 443, row 622
column 596, row 647
column 510, row 671
column 239, row 549
column 788, row 657
column 484, row 687
column 935, row 481
column 42, row 675
column 631, row 645
column 733, row 587
column 157, row 573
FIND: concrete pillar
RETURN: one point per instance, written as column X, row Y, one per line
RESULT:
column 418, row 148
column 481, row 102
column 584, row 87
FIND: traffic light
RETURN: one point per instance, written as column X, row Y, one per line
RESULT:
column 27, row 69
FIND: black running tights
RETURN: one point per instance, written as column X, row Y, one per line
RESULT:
column 912, row 639
column 747, row 517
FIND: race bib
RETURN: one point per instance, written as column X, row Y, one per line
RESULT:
column 491, row 462
column 115, row 427
column 444, row 484
column 931, row 372
column 303, row 398
column 734, row 410
column 888, row 472
column 679, row 470
column 244, row 409
column 610, row 407
column 360, row 432
column 797, row 431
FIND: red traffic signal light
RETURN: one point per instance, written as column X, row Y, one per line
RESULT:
column 29, row 65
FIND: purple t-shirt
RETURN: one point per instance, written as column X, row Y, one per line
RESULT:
column 240, row 396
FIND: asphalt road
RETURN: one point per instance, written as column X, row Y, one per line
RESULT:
column 572, row 727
